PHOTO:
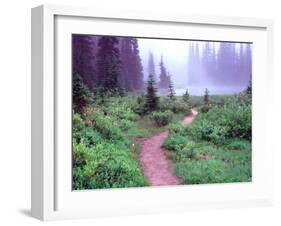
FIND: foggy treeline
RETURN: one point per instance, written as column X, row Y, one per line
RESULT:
column 116, row 64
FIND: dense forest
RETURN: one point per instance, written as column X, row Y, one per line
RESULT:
column 121, row 103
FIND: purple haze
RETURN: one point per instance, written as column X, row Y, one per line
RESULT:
column 222, row 67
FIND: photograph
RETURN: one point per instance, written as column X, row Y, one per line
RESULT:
column 160, row 112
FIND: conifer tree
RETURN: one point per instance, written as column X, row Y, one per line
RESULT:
column 137, row 66
column 163, row 77
column 171, row 91
column 83, row 58
column 132, row 71
column 151, row 98
column 206, row 105
column 80, row 94
column 151, row 66
column 109, row 65
column 185, row 96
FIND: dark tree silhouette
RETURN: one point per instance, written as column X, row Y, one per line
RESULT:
column 206, row 99
column 138, row 69
column 80, row 94
column 109, row 65
column 194, row 67
column 151, row 66
column 83, row 58
column 171, row 91
column 132, row 71
column 164, row 78
column 151, row 98
column 209, row 62
column 186, row 96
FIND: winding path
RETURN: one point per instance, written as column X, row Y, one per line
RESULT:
column 154, row 163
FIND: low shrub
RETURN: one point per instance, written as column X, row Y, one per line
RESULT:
column 162, row 118
column 107, row 126
column 77, row 123
column 189, row 151
column 239, row 145
column 175, row 142
column 176, row 106
column 175, row 127
column 200, row 171
column 104, row 166
column 89, row 136
column 208, row 131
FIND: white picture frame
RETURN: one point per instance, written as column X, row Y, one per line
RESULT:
column 51, row 197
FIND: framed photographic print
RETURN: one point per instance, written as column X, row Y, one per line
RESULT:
column 137, row 112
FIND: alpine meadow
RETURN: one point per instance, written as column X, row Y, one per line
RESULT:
column 151, row 112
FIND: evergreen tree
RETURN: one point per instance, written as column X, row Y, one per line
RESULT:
column 81, row 95
column 171, row 92
column 206, row 105
column 126, row 56
column 227, row 74
column 151, row 98
column 185, row 96
column 109, row 65
column 249, row 88
column 163, row 77
column 138, row 69
column 83, row 58
column 132, row 71
column 194, row 65
column 209, row 61
column 151, row 66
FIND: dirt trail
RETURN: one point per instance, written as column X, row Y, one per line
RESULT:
column 154, row 163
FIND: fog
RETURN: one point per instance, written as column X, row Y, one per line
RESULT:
column 223, row 68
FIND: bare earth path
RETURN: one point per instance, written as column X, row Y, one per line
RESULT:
column 154, row 163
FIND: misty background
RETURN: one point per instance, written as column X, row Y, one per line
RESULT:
column 222, row 67
column 125, row 63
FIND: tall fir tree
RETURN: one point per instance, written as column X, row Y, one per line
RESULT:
column 138, row 69
column 163, row 77
column 132, row 71
column 226, row 60
column 151, row 66
column 151, row 98
column 194, row 66
column 81, row 95
column 109, row 65
column 209, row 61
column 83, row 58
column 186, row 97
column 206, row 100
column 171, row 91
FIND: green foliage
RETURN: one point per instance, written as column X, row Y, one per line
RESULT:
column 108, row 127
column 171, row 91
column 176, row 106
column 175, row 127
column 186, row 97
column 88, row 136
column 207, row 130
column 216, row 147
column 222, row 123
column 239, row 145
column 175, row 142
column 104, row 166
column 200, row 171
column 189, row 151
column 81, row 95
column 206, row 105
column 162, row 118
column 78, row 123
